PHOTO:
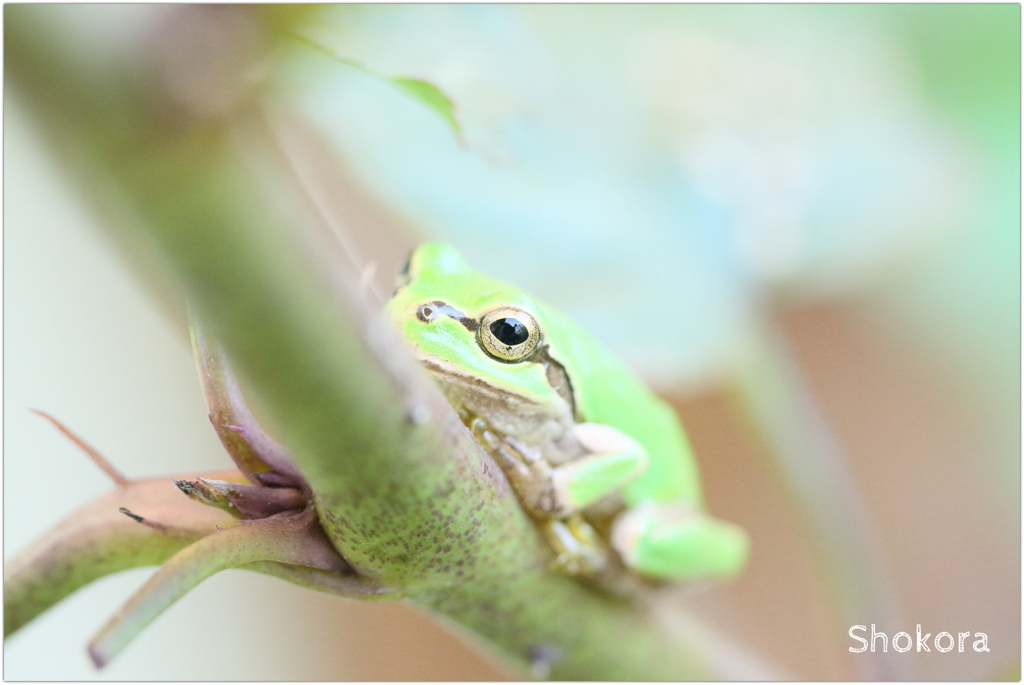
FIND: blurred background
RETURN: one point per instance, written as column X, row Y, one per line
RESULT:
column 800, row 223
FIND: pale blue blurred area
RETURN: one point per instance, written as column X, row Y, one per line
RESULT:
column 673, row 175
column 656, row 171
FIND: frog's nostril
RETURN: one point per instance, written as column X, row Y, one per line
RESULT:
column 426, row 313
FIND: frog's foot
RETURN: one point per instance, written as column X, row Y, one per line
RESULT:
column 578, row 548
column 678, row 542
column 610, row 460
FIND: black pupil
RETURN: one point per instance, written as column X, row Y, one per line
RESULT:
column 510, row 331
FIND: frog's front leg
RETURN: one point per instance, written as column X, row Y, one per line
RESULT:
column 676, row 541
column 609, row 460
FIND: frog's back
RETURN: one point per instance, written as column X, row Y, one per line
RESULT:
column 608, row 392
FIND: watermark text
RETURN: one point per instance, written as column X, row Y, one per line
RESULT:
column 903, row 642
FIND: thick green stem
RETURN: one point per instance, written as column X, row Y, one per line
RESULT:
column 402, row 490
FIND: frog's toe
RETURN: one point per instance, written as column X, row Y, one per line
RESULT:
column 678, row 542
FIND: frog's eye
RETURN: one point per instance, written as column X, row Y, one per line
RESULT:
column 508, row 334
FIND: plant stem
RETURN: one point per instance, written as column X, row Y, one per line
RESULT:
column 403, row 491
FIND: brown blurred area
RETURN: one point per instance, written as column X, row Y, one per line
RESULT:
column 952, row 552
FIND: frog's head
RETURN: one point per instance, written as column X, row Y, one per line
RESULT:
column 472, row 330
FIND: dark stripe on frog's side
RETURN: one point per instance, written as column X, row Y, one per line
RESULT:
column 556, row 374
column 557, row 377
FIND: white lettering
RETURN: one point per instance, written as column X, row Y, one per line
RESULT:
column 874, row 636
column 862, row 640
column 903, row 641
column 910, row 642
column 921, row 641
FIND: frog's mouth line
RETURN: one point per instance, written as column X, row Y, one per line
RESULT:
column 448, row 373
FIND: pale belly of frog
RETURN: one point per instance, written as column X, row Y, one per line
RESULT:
column 540, row 449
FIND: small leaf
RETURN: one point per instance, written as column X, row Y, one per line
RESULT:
column 431, row 96
column 427, row 93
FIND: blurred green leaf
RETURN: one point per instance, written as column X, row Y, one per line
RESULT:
column 431, row 96
column 427, row 93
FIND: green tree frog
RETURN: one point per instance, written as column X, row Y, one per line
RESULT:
column 600, row 463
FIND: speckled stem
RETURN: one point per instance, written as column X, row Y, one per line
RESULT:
column 402, row 490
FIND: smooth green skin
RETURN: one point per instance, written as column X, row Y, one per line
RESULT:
column 661, row 543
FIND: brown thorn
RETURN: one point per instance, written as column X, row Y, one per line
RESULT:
column 97, row 458
column 129, row 514
column 163, row 528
